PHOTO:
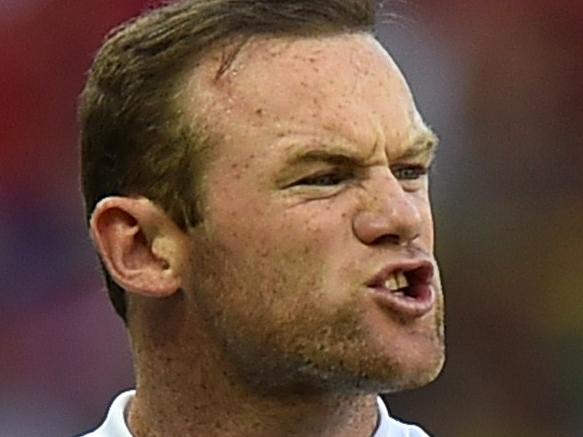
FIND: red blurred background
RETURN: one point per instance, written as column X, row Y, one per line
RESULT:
column 501, row 82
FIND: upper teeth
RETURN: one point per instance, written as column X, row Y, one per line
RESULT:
column 396, row 281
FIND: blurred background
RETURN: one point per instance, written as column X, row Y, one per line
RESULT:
column 500, row 81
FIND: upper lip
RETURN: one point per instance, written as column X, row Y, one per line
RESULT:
column 418, row 272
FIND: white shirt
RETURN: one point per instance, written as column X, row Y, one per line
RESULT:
column 115, row 422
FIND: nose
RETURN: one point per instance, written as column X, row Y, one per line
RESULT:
column 390, row 215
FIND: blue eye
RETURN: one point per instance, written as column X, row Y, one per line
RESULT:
column 410, row 173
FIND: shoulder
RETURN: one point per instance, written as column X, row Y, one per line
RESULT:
column 114, row 424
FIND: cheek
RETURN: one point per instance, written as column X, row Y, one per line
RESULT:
column 269, row 225
column 261, row 290
column 317, row 221
column 279, row 256
column 237, row 220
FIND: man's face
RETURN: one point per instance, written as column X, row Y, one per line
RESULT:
column 316, row 207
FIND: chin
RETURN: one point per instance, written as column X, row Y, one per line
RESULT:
column 384, row 374
column 413, row 372
column 416, row 379
column 402, row 366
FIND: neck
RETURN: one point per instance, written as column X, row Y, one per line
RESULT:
column 188, row 392
column 172, row 413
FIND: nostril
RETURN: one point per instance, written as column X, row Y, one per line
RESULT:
column 390, row 239
column 394, row 240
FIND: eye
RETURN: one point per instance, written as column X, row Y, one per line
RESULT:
column 323, row 180
column 410, row 173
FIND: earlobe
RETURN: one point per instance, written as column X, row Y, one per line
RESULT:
column 143, row 250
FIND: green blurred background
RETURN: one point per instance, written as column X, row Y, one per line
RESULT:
column 502, row 84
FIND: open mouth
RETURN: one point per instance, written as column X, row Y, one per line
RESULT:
column 406, row 289
column 410, row 284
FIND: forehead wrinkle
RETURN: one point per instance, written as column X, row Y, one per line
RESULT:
column 334, row 146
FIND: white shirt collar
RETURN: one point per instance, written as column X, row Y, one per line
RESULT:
column 390, row 427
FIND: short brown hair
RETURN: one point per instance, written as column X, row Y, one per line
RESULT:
column 133, row 139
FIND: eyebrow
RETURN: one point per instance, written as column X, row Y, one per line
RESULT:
column 423, row 146
column 333, row 155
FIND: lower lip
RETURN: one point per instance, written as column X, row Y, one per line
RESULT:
column 406, row 306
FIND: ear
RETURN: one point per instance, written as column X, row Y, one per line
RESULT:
column 142, row 248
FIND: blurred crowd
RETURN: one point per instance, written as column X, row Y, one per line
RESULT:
column 502, row 84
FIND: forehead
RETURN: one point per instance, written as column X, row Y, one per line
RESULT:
column 344, row 85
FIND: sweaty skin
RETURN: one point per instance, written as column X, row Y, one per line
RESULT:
column 316, row 184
